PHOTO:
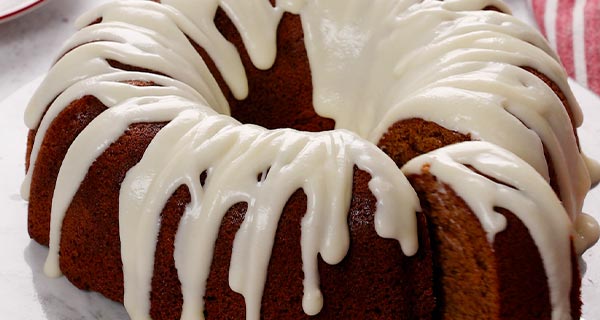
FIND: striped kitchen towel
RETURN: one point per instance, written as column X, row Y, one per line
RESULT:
column 573, row 29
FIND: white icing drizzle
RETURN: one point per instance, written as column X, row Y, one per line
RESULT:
column 111, row 90
column 232, row 155
column 128, row 35
column 105, row 129
column 531, row 200
column 462, row 70
column 587, row 232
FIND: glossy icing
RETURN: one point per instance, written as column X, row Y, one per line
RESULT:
column 521, row 190
column 462, row 70
column 319, row 163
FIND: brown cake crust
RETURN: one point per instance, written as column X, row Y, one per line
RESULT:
column 90, row 251
column 59, row 136
column 272, row 102
column 478, row 280
column 369, row 267
column 90, row 248
column 407, row 139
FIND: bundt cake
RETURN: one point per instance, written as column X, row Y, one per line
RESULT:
column 338, row 159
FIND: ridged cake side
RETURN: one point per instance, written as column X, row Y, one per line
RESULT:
column 125, row 92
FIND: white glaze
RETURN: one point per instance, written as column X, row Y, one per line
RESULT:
column 370, row 69
column 233, row 155
column 105, row 129
column 407, row 74
column 531, row 199
column 587, row 232
column 111, row 90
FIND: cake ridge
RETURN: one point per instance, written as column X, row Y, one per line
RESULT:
column 525, row 194
column 111, row 89
column 312, row 164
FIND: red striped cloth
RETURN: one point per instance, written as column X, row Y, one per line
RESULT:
column 573, row 29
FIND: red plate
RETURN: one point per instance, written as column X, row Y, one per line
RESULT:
column 10, row 9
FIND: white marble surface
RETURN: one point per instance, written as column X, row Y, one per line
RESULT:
column 25, row 292
column 28, row 45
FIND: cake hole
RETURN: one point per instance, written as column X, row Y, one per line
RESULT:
column 492, row 8
column 99, row 20
column 500, row 209
column 203, row 177
column 377, row 311
column 140, row 83
column 210, row 298
column 279, row 97
column 262, row 176
column 125, row 67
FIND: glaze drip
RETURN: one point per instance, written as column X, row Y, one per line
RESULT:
column 309, row 161
column 111, row 89
column 531, row 200
column 444, row 74
column 464, row 70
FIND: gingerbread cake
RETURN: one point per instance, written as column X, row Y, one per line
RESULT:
column 301, row 158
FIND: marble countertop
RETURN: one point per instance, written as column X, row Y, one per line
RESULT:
column 28, row 46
